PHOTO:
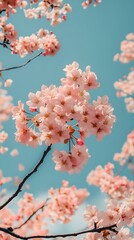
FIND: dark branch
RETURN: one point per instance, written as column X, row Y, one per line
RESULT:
column 3, row 10
column 22, row 65
column 110, row 228
column 26, row 177
column 43, row 205
column 5, row 46
column 95, row 225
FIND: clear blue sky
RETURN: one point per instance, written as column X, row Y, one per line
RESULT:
column 90, row 37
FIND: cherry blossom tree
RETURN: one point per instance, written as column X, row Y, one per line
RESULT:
column 63, row 115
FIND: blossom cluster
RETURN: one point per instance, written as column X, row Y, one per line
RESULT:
column 5, row 112
column 44, row 40
column 9, row 5
column 117, row 187
column 64, row 115
column 26, row 206
column 119, row 213
column 130, row 104
column 119, row 208
column 73, row 161
column 64, row 202
column 60, row 206
column 87, row 3
column 8, row 31
column 127, row 153
column 125, row 88
column 54, row 10
column 6, row 106
column 127, row 50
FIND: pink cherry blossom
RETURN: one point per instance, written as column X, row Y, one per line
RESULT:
column 14, row 152
column 127, row 152
column 54, row 110
column 117, row 187
column 127, row 50
column 9, row 5
column 130, row 104
column 8, row 83
column 71, row 162
column 54, row 11
column 3, row 136
column 125, row 88
column 64, row 202
column 87, row 3
column 5, row 112
column 124, row 234
column 3, row 149
column 26, row 45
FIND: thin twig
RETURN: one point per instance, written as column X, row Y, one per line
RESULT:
column 26, row 177
column 5, row 46
column 22, row 65
column 42, row 206
column 111, row 228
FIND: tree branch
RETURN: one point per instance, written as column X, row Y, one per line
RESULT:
column 3, row 10
column 26, row 177
column 94, row 230
column 43, row 205
column 22, row 65
column 5, row 46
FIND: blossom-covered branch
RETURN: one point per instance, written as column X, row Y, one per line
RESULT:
column 39, row 208
column 26, row 177
column 94, row 230
column 53, row 111
column 44, row 40
column 54, row 10
column 62, row 205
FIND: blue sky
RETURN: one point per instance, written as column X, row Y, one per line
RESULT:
column 90, row 37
